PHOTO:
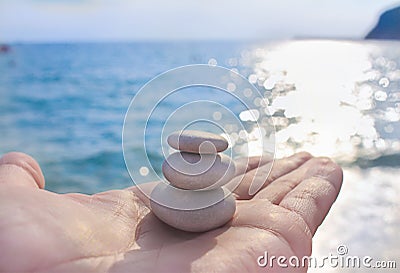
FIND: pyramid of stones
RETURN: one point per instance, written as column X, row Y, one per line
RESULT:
column 195, row 199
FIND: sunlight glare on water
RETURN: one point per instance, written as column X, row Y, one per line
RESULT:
column 340, row 99
column 327, row 97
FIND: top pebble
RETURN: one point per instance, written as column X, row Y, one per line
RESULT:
column 191, row 141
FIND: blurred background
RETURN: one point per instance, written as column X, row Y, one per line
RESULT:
column 329, row 72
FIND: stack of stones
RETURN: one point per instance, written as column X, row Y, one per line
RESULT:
column 195, row 199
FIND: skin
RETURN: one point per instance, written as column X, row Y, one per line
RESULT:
column 114, row 231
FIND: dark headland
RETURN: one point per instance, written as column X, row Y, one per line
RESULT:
column 388, row 26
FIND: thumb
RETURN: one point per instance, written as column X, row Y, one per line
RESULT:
column 20, row 169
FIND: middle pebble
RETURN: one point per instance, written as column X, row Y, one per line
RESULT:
column 194, row 171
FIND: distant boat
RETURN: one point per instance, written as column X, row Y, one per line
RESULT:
column 5, row 49
column 388, row 26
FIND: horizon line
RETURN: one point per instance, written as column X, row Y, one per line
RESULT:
column 186, row 40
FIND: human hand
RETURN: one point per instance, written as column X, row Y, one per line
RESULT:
column 115, row 231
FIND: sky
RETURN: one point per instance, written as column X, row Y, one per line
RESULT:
column 129, row 20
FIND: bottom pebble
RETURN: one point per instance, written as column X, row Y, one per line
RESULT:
column 194, row 211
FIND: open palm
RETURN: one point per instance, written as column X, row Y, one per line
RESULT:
column 115, row 231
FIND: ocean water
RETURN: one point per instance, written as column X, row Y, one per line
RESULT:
column 65, row 105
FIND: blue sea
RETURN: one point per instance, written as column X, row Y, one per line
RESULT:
column 65, row 104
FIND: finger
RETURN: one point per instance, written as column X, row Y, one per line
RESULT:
column 245, row 164
column 314, row 196
column 20, row 169
column 281, row 186
column 284, row 224
column 264, row 175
